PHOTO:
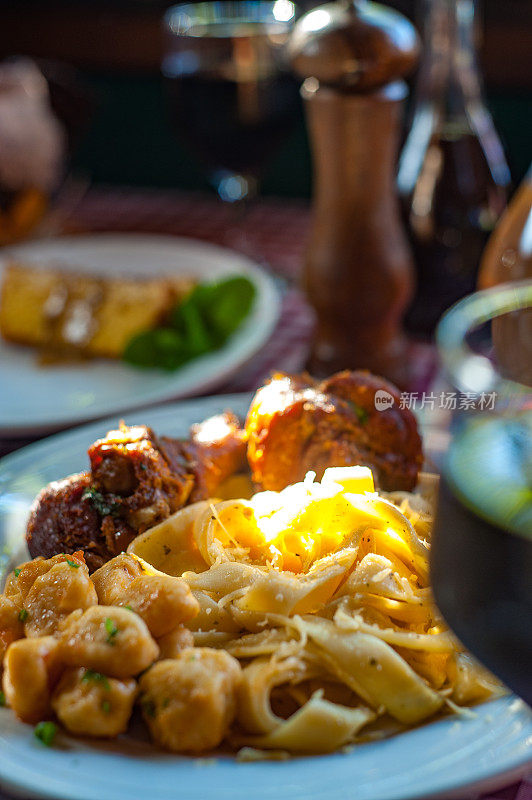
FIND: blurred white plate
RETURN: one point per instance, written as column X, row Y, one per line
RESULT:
column 37, row 399
column 457, row 757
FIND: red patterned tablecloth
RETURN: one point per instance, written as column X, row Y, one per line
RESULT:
column 272, row 232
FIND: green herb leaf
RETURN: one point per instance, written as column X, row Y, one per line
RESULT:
column 188, row 320
column 73, row 564
column 162, row 347
column 2, row 698
column 45, row 732
column 96, row 677
column 23, row 614
column 229, row 304
column 16, row 571
column 202, row 322
column 111, row 629
column 99, row 502
column 106, row 706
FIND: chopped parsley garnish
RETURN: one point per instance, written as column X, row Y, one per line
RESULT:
column 23, row 614
column 73, row 564
column 105, row 508
column 45, row 732
column 129, row 608
column 2, row 698
column 361, row 413
column 17, row 571
column 96, row 677
column 106, row 706
column 111, row 629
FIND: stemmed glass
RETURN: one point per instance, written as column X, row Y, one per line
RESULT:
column 231, row 96
column 482, row 544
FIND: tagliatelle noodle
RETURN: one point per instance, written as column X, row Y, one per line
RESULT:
column 323, row 596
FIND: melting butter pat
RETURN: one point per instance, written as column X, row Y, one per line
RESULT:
column 355, row 480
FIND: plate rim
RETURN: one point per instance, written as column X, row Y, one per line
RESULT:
column 484, row 778
column 258, row 327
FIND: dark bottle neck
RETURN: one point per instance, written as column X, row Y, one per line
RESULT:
column 448, row 71
column 448, row 100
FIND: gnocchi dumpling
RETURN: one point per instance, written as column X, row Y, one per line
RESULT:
column 110, row 640
column 31, row 667
column 162, row 601
column 65, row 587
column 91, row 704
column 171, row 644
column 11, row 626
column 114, row 578
column 189, row 702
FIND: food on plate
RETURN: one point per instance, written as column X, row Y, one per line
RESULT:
column 88, row 704
column 296, row 617
column 160, row 600
column 138, row 479
column 110, row 640
column 68, row 313
column 201, row 323
column 306, row 625
column 150, row 322
column 30, row 669
column 64, row 588
column 296, row 424
column 201, row 684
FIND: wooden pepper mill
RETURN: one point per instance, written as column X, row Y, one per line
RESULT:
column 358, row 271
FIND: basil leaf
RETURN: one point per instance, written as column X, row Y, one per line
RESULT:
column 201, row 323
column 188, row 320
column 162, row 347
column 229, row 304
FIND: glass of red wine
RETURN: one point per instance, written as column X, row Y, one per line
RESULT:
column 482, row 545
column 231, row 96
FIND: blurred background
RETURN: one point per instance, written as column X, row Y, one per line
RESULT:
column 108, row 52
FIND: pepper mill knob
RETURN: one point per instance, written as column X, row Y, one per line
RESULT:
column 358, row 270
column 353, row 45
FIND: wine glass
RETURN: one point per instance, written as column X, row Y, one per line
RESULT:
column 230, row 93
column 482, row 544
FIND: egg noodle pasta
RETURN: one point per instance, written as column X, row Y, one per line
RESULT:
column 321, row 592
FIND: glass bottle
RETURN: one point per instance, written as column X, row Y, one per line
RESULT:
column 453, row 177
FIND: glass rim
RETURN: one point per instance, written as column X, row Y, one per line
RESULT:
column 193, row 11
column 470, row 371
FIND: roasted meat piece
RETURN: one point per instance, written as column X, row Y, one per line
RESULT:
column 295, row 425
column 143, row 479
column 63, row 520
column 136, row 480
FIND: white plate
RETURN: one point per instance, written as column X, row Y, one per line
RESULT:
column 35, row 399
column 456, row 757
